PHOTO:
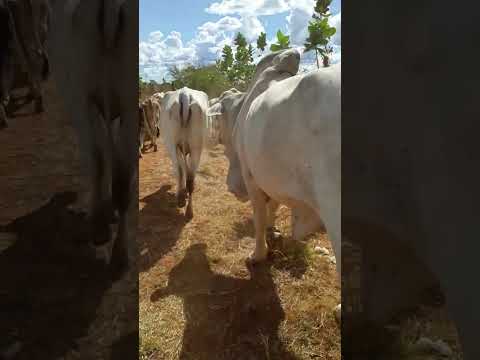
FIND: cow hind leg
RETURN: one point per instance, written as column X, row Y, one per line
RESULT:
column 273, row 234
column 304, row 222
column 190, row 188
column 181, row 168
column 193, row 161
column 181, row 191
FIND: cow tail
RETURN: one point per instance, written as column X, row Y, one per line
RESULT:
column 185, row 111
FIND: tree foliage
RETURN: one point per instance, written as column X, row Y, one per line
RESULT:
column 283, row 42
column 237, row 67
column 262, row 42
column 147, row 89
column 205, row 78
column 320, row 32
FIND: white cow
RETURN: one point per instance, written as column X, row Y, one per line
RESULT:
column 224, row 113
column 232, row 105
column 183, row 118
column 94, row 63
column 289, row 151
column 213, row 119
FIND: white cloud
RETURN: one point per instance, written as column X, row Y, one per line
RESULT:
column 248, row 7
column 336, row 21
column 251, row 28
column 159, row 52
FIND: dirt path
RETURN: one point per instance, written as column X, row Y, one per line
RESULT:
column 198, row 300
column 56, row 301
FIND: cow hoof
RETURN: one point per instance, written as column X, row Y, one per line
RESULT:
column 182, row 198
column 155, row 148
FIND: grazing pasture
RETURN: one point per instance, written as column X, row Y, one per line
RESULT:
column 198, row 298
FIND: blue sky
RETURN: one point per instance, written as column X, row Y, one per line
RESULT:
column 182, row 32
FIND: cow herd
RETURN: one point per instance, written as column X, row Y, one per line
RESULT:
column 280, row 114
column 282, row 138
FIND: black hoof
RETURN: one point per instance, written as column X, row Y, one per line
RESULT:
column 182, row 199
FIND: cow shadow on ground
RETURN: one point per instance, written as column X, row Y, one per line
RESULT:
column 50, row 282
column 161, row 223
column 294, row 259
column 126, row 347
column 226, row 317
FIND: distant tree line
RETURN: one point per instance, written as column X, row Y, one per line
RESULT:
column 236, row 66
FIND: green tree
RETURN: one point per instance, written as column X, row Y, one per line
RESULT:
column 237, row 67
column 227, row 58
column 320, row 32
column 209, row 79
column 283, row 42
column 240, row 40
column 262, row 42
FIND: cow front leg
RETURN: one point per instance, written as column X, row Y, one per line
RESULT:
column 259, row 203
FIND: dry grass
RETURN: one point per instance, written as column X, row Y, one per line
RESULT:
column 199, row 300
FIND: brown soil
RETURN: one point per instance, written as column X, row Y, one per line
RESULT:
column 199, row 300
column 56, row 300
